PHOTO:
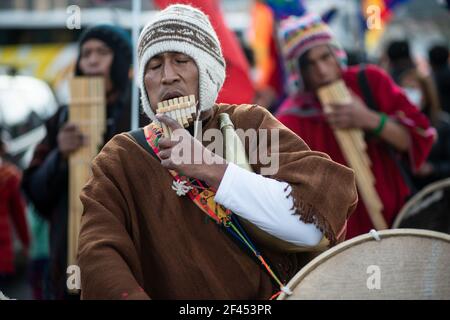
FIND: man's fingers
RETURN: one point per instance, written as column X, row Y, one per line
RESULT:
column 73, row 132
column 69, row 126
column 85, row 139
column 171, row 123
column 70, row 147
column 164, row 154
column 78, row 141
column 165, row 143
column 337, row 106
column 77, row 137
column 356, row 98
column 168, row 164
column 338, row 120
column 333, row 117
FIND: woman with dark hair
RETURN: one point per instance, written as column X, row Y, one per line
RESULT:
column 422, row 92
column 439, row 62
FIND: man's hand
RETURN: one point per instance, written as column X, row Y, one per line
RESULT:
column 186, row 155
column 265, row 97
column 70, row 139
column 353, row 115
column 357, row 115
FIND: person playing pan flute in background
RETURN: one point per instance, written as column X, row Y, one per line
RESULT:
column 12, row 216
column 141, row 239
column 314, row 60
column 104, row 51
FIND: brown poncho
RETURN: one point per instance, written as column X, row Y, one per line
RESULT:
column 140, row 240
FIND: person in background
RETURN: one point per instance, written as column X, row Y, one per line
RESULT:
column 398, row 55
column 439, row 62
column 268, row 74
column 39, row 254
column 12, row 213
column 422, row 93
column 394, row 128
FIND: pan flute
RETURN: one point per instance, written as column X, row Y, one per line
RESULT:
column 182, row 110
column 353, row 146
column 86, row 110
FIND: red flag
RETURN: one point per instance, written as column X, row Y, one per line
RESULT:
column 238, row 87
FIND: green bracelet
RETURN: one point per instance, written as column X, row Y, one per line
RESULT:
column 383, row 119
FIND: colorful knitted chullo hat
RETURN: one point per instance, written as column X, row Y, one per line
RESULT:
column 299, row 34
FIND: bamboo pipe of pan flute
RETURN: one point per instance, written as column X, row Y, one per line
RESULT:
column 182, row 110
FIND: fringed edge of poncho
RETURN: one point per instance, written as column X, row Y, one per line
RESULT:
column 309, row 214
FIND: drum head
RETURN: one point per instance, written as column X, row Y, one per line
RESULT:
column 429, row 209
column 403, row 264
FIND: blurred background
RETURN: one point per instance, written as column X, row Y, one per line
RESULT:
column 36, row 42
column 38, row 51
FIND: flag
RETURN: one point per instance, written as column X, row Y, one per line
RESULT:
column 375, row 15
column 285, row 8
column 238, row 87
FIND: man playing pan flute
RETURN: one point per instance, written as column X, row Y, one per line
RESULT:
column 156, row 226
column 314, row 60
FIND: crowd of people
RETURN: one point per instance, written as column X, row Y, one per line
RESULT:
column 402, row 112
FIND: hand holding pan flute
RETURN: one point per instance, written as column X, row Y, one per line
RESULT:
column 183, row 153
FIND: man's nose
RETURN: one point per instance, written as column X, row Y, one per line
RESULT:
column 322, row 69
column 93, row 60
column 169, row 74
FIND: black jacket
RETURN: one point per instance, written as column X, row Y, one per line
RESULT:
column 440, row 154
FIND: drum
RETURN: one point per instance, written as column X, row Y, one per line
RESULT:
column 400, row 264
column 429, row 209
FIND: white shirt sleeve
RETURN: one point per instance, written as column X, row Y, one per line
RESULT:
column 263, row 202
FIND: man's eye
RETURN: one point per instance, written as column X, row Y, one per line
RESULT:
column 103, row 52
column 154, row 66
column 182, row 61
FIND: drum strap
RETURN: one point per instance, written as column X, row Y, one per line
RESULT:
column 139, row 136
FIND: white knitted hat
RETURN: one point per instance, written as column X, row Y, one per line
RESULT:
column 184, row 29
